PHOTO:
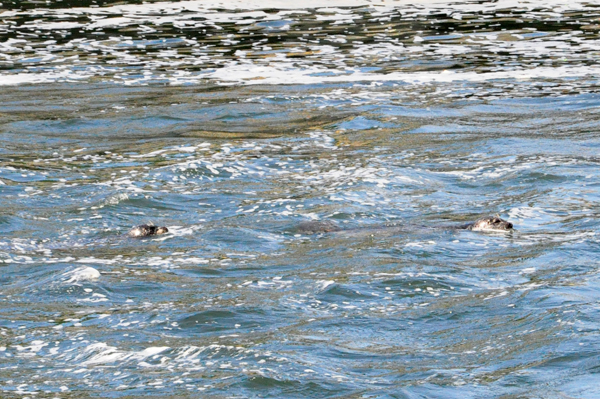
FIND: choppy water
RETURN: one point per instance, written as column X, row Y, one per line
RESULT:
column 230, row 124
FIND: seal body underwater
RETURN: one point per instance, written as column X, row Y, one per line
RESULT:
column 317, row 226
column 146, row 230
column 487, row 223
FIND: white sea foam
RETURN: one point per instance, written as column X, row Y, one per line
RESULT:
column 116, row 199
column 102, row 353
column 325, row 283
column 84, row 273
column 184, row 230
column 337, row 65
column 99, row 261
column 170, row 8
column 191, row 260
column 288, row 73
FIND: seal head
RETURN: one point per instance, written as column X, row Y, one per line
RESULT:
column 146, row 230
column 491, row 223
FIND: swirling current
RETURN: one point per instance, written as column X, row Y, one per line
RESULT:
column 231, row 123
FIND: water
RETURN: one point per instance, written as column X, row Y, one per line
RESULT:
column 231, row 124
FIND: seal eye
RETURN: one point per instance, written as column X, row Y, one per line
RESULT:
column 496, row 220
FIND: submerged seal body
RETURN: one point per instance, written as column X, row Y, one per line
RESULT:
column 487, row 223
column 146, row 230
column 317, row 226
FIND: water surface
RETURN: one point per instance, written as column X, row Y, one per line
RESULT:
column 231, row 126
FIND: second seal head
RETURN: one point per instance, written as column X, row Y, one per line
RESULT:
column 146, row 230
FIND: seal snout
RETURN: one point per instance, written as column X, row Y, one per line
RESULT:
column 163, row 230
column 492, row 223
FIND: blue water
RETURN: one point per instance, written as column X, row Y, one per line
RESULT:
column 233, row 301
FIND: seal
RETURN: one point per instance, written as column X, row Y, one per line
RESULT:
column 487, row 223
column 317, row 226
column 146, row 230
column 490, row 223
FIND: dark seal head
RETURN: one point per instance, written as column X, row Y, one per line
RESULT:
column 491, row 223
column 146, row 230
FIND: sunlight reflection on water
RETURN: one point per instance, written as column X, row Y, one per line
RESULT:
column 417, row 117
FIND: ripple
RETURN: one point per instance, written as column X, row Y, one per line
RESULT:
column 232, row 123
